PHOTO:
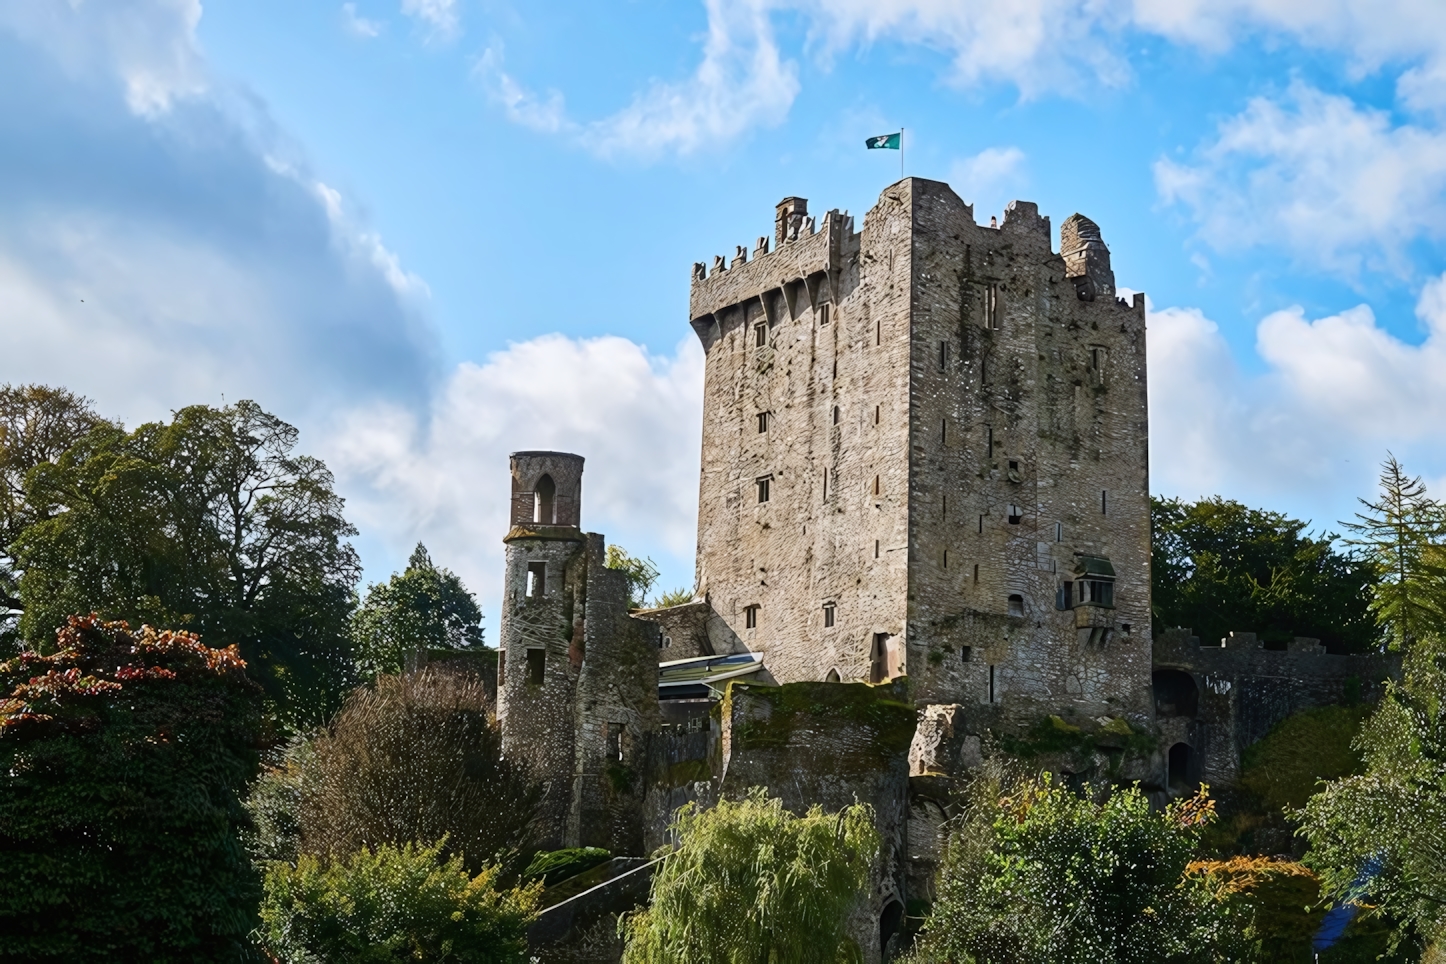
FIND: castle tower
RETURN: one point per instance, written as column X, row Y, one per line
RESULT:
column 925, row 454
column 578, row 677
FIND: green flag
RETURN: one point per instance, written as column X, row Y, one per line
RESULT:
column 889, row 141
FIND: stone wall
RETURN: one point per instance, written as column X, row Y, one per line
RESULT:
column 1220, row 699
column 912, row 435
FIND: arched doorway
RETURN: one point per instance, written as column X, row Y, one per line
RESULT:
column 1182, row 766
column 544, row 494
column 1175, row 693
column 889, row 923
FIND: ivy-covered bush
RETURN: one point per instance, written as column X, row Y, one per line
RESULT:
column 393, row 904
column 122, row 758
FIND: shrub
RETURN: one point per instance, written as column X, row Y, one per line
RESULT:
column 1034, row 872
column 750, row 881
column 393, row 904
column 419, row 757
column 555, row 866
column 122, row 757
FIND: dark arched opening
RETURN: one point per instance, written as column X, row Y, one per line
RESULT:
column 1181, row 764
column 1175, row 693
column 1016, row 604
column 544, row 494
column 889, row 922
column 832, row 676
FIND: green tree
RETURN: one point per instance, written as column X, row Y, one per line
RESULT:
column 674, row 597
column 750, row 882
column 211, row 522
column 641, row 573
column 37, row 425
column 424, row 607
column 122, row 758
column 415, row 758
column 1034, row 872
column 393, row 904
column 1400, row 535
column 1218, row 566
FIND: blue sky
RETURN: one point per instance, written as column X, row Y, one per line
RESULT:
column 432, row 231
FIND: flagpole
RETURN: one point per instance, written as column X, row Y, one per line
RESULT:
column 901, row 153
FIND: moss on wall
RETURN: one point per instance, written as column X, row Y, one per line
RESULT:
column 1284, row 768
column 797, row 706
column 1053, row 735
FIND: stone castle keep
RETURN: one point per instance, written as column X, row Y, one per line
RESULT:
column 925, row 468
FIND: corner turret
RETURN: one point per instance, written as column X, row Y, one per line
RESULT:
column 1086, row 258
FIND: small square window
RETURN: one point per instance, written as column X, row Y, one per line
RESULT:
column 1016, row 515
column 823, row 313
column 764, row 485
column 750, row 617
column 536, row 666
column 828, row 615
column 965, row 653
column 760, row 335
column 762, row 422
column 536, row 579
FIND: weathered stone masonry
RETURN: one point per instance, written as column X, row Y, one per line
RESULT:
column 922, row 433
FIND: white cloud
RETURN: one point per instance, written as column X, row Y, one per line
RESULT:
column 358, row 25
column 983, row 178
column 547, row 114
column 742, row 82
column 149, row 44
column 1334, row 395
column 634, row 416
column 1338, row 185
column 439, row 16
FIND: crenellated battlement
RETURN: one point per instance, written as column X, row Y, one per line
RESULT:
column 797, row 274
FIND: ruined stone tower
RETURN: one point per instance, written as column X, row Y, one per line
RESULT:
column 577, row 681
column 925, row 454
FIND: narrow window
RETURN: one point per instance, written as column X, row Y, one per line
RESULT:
column 981, row 525
column 760, row 334
column 823, row 314
column 991, row 306
column 763, row 487
column 750, row 617
column 876, row 414
column 835, row 414
column 615, row 740
column 825, row 484
column 976, row 572
column 876, row 485
column 536, row 664
column 876, row 548
column 989, row 441
column 943, row 431
column 543, row 497
column 964, row 653
column 878, row 332
column 1104, row 501
column 665, row 642
column 1059, row 532
column 827, row 615
column 536, row 579
column 762, row 422
column 1016, row 604
column 946, row 558
column 1016, row 514
column 835, row 368
column 943, row 356
column 944, row 506
column 991, row 684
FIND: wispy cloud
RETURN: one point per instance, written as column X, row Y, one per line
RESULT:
column 357, row 25
column 984, row 177
column 1338, row 185
column 438, row 17
column 546, row 113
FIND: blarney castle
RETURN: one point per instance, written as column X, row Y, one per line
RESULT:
column 923, row 530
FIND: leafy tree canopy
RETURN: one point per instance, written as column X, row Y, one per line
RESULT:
column 416, row 758
column 37, row 425
column 1034, row 872
column 390, row 904
column 751, row 882
column 1218, row 567
column 211, row 522
column 122, row 757
column 423, row 607
column 641, row 573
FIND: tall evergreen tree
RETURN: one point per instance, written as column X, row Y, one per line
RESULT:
column 422, row 607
